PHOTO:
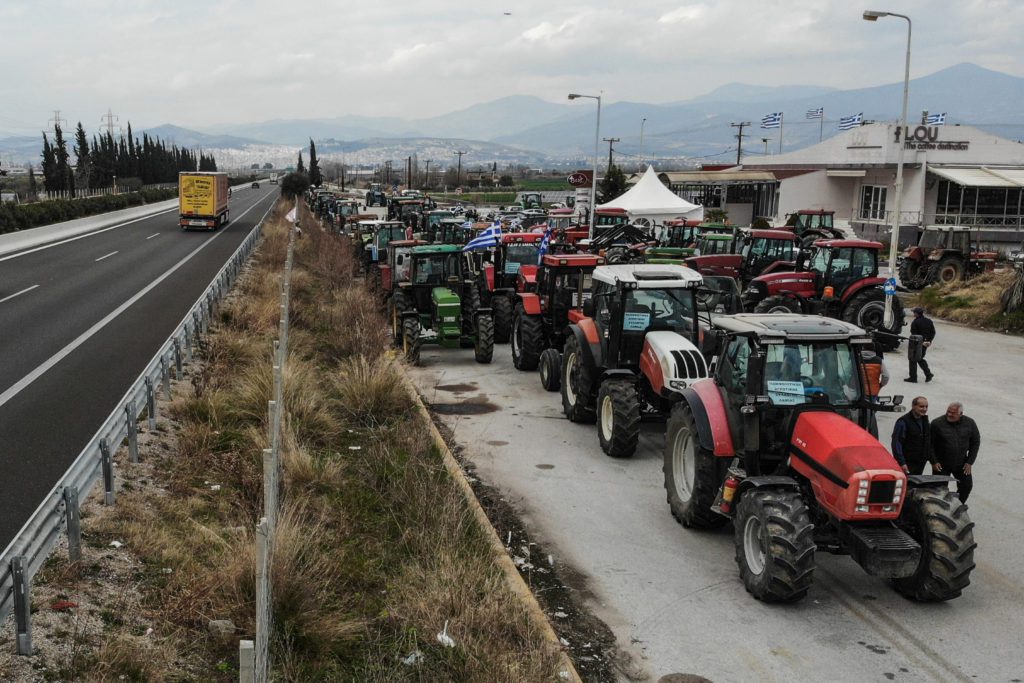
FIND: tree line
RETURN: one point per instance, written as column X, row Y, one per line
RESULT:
column 150, row 161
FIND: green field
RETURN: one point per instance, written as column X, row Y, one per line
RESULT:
column 544, row 184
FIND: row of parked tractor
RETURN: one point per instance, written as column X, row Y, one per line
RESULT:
column 768, row 415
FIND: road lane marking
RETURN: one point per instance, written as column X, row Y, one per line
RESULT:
column 84, row 235
column 107, row 256
column 25, row 381
column 27, row 289
column 152, row 236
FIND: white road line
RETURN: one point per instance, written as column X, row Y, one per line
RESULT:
column 27, row 289
column 22, row 383
column 108, row 255
column 152, row 236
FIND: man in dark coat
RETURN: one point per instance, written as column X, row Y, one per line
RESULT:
column 911, row 438
column 955, row 444
column 924, row 328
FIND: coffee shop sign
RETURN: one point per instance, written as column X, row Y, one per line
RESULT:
column 927, row 137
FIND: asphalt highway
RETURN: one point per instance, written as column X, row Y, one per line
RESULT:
column 79, row 321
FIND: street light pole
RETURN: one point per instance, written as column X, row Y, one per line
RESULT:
column 873, row 15
column 642, row 122
column 597, row 137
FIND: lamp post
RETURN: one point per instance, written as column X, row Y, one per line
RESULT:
column 642, row 122
column 597, row 136
column 874, row 15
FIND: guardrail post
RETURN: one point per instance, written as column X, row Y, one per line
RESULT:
column 165, row 376
column 271, row 415
column 188, row 344
column 133, row 431
column 71, row 513
column 107, row 463
column 177, row 359
column 151, row 403
column 246, row 661
column 196, row 325
column 22, row 604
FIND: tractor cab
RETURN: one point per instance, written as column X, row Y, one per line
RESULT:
column 606, row 219
column 432, row 221
column 398, row 268
column 759, row 251
column 531, row 200
column 375, row 196
column 711, row 243
column 501, row 270
column 680, row 234
column 383, row 232
column 943, row 255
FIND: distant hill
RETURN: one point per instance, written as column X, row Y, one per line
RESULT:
column 183, row 137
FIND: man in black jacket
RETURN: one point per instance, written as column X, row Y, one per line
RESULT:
column 911, row 438
column 955, row 444
column 925, row 328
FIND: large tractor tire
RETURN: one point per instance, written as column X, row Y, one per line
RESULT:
column 809, row 237
column 774, row 545
column 614, row 255
column 618, row 413
column 527, row 339
column 576, row 380
column 483, row 346
column 778, row 304
column 692, row 473
column 411, row 339
column 398, row 304
column 469, row 304
column 913, row 274
column 936, row 519
column 550, row 369
column 946, row 271
column 866, row 309
column 502, row 306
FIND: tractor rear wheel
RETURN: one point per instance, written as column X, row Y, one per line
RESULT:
column 936, row 519
column 502, row 305
column 913, row 274
column 809, row 237
column 411, row 339
column 550, row 366
column 469, row 305
column 618, row 412
column 576, row 384
column 947, row 271
column 777, row 304
column 527, row 339
column 692, row 473
column 775, row 545
column 483, row 347
column 398, row 304
column 866, row 309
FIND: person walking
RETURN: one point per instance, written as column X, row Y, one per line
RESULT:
column 911, row 438
column 955, row 442
column 925, row 328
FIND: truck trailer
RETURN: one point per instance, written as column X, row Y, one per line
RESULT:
column 202, row 200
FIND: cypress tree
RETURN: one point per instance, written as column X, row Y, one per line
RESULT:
column 49, row 166
column 62, row 169
column 83, row 159
column 301, row 168
column 315, row 179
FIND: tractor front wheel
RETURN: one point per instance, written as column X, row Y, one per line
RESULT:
column 411, row 339
column 946, row 271
column 777, row 304
column 618, row 418
column 527, row 339
column 692, row 472
column 866, row 309
column 775, row 546
column 483, row 347
column 550, row 365
column 502, row 305
column 576, row 384
column 936, row 519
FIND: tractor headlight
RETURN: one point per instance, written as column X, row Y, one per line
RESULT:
column 677, row 384
column 861, row 508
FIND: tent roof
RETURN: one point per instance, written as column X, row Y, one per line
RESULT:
column 650, row 197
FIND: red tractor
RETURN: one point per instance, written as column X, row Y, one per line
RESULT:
column 837, row 278
column 810, row 225
column 546, row 308
column 777, row 441
column 633, row 351
column 498, row 278
column 943, row 256
column 760, row 251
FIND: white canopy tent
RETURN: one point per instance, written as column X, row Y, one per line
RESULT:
column 651, row 203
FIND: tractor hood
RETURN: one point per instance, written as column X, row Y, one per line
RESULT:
column 786, row 280
column 671, row 362
column 442, row 296
column 836, row 456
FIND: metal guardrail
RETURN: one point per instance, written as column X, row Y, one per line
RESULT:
column 59, row 510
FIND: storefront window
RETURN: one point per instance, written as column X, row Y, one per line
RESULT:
column 872, row 202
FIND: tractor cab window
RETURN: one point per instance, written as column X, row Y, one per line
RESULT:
column 819, row 261
column 671, row 309
column 801, row 373
column 761, row 251
column 435, row 269
column 850, row 265
column 572, row 289
column 732, row 368
column 931, row 239
column 520, row 255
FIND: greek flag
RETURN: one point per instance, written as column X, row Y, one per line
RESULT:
column 936, row 119
column 816, row 113
column 772, row 120
column 848, row 122
column 490, row 237
column 467, row 225
column 544, row 245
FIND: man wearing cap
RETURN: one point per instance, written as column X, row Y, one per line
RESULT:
column 924, row 328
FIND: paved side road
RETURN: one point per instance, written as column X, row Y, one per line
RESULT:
column 673, row 596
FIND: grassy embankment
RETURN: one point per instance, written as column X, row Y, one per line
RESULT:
column 974, row 302
column 377, row 547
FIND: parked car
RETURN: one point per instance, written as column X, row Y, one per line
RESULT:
column 255, row 186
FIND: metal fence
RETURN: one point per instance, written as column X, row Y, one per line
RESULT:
column 59, row 511
column 254, row 655
column 86, row 192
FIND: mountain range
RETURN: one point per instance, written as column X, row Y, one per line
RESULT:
column 524, row 129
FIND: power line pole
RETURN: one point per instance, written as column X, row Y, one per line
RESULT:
column 426, row 174
column 610, row 141
column 408, row 172
column 458, row 174
column 57, row 119
column 739, row 137
column 108, row 119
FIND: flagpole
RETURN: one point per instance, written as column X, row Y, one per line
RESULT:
column 821, row 124
column 782, row 118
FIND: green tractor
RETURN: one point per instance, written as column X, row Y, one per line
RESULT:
column 440, row 304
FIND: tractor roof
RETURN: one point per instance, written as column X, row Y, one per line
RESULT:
column 521, row 237
column 437, row 249
column 789, row 326
column 572, row 260
column 835, row 244
column 398, row 244
column 717, row 237
column 774, row 234
column 648, row 275
column 378, row 223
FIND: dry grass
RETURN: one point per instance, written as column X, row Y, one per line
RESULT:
column 975, row 302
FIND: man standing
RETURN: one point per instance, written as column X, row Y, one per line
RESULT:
column 911, row 438
column 955, row 443
column 924, row 328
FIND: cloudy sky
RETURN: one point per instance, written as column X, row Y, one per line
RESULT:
column 200, row 64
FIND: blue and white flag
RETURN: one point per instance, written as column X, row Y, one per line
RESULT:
column 491, row 237
column 936, row 119
column 816, row 113
column 544, row 242
column 773, row 120
column 467, row 225
column 848, row 122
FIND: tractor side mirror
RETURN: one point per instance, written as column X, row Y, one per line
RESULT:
column 897, row 400
column 713, row 343
column 588, row 308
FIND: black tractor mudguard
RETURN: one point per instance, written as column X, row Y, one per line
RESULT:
column 916, row 481
column 771, row 481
